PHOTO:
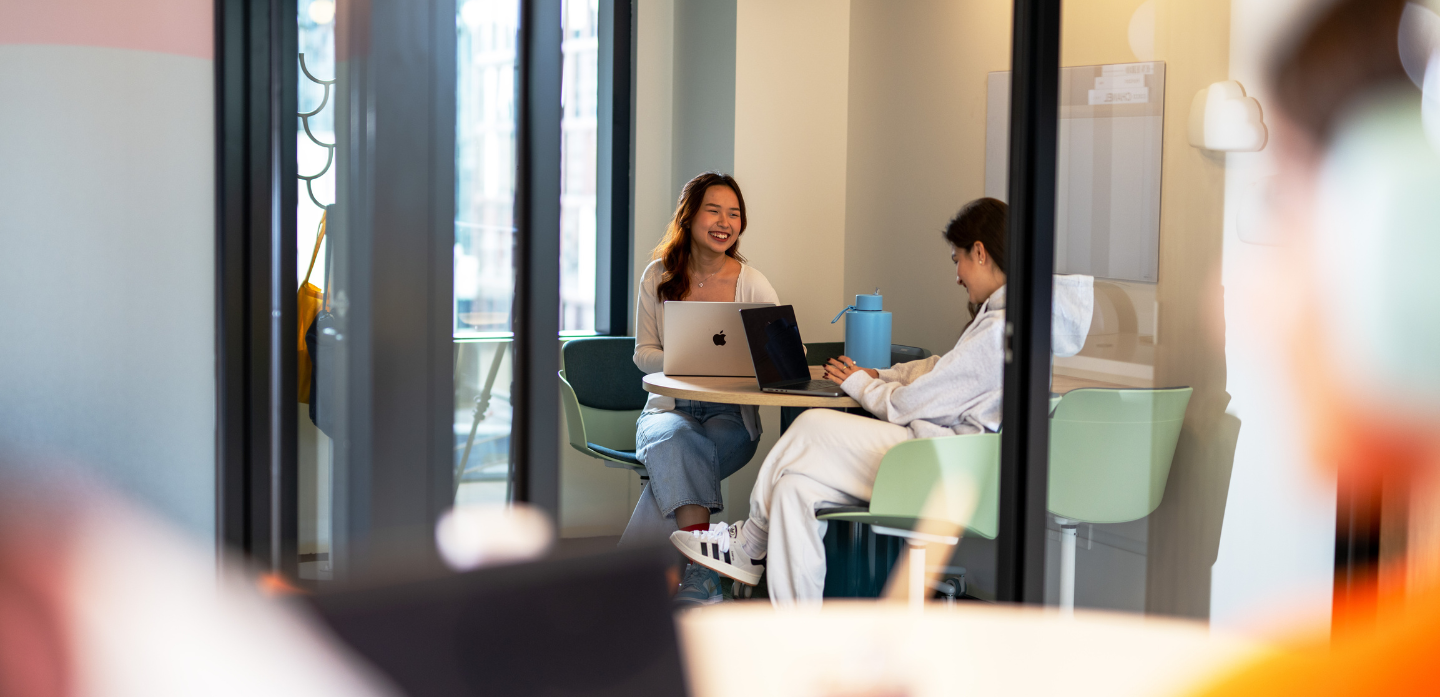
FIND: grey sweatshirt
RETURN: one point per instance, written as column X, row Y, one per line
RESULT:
column 960, row 392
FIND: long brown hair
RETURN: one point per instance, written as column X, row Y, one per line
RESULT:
column 674, row 247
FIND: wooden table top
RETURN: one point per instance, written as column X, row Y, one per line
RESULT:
column 746, row 391
column 737, row 391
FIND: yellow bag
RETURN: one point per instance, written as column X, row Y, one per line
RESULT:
column 307, row 304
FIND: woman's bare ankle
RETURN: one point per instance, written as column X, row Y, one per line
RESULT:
column 691, row 515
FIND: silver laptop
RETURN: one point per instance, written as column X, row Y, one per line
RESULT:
column 706, row 339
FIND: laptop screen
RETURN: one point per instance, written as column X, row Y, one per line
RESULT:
column 775, row 344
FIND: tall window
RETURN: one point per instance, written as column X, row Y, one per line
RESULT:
column 485, row 168
column 579, row 129
column 315, row 137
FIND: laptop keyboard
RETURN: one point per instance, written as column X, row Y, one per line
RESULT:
column 821, row 385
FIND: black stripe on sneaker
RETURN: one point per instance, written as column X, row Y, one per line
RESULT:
column 727, row 557
column 715, row 552
column 704, row 552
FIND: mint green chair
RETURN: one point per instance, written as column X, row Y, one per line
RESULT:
column 945, row 474
column 1110, row 456
column 603, row 396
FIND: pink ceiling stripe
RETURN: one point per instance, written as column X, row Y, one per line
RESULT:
column 180, row 27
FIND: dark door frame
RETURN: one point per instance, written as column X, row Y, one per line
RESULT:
column 256, row 96
column 535, row 442
column 394, row 237
column 614, row 160
column 1025, row 440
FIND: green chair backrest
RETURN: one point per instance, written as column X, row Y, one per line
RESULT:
column 956, row 468
column 600, row 376
column 1110, row 451
column 602, row 371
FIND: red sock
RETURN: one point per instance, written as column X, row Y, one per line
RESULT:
column 698, row 526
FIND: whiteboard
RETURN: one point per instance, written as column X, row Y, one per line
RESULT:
column 1107, row 217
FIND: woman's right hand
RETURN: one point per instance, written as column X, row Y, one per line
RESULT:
column 838, row 369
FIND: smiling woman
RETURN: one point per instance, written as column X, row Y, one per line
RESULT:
column 689, row 447
column 702, row 240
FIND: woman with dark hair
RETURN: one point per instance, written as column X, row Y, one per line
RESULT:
column 689, row 447
column 830, row 458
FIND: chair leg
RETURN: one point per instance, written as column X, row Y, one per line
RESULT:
column 917, row 575
column 1067, row 567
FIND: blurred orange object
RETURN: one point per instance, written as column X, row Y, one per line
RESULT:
column 275, row 585
column 1396, row 656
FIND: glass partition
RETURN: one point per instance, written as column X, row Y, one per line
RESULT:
column 1176, row 486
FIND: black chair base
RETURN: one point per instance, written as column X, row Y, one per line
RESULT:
column 857, row 561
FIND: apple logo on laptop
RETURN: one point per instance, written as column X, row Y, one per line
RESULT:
column 719, row 339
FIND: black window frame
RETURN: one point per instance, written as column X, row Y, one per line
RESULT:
column 615, row 159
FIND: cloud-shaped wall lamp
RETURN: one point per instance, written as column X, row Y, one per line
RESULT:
column 1223, row 119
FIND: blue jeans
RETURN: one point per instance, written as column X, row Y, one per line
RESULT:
column 689, row 450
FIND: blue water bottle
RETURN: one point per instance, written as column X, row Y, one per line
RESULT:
column 867, row 331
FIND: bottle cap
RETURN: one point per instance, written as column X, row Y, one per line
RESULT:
column 870, row 303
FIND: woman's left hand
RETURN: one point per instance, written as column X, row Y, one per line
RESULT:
column 837, row 369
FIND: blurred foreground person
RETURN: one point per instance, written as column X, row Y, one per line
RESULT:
column 97, row 599
column 1358, row 208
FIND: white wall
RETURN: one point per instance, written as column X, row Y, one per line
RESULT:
column 654, row 127
column 107, row 353
column 791, row 114
column 703, row 91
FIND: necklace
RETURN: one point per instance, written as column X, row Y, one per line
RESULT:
column 712, row 275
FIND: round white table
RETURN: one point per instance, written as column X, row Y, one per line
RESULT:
column 737, row 391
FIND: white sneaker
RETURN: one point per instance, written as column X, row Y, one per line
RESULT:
column 719, row 549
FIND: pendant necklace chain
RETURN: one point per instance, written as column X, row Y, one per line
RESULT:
column 712, row 275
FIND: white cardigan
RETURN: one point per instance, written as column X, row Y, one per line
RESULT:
column 750, row 287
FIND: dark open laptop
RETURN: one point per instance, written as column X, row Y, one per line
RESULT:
column 779, row 354
column 529, row 629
